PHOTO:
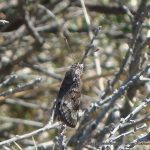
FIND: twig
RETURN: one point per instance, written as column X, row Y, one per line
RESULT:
column 6, row 148
column 113, row 140
column 105, row 9
column 135, row 64
column 136, row 122
column 22, row 121
column 37, row 68
column 129, row 13
column 45, row 145
column 10, row 79
column 108, row 128
column 82, row 135
column 6, row 69
column 48, row 11
column 20, row 137
column 39, row 40
column 116, row 92
column 145, row 103
column 61, row 139
column 128, row 133
column 23, row 103
column 145, row 139
column 32, row 30
column 21, row 87
column 91, row 45
column 136, row 26
column 14, row 35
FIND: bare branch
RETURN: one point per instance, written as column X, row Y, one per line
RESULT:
column 20, row 137
column 145, row 139
column 17, row 120
column 21, row 87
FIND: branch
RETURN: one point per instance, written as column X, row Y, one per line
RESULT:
column 145, row 103
column 106, row 9
column 60, row 141
column 128, row 133
column 21, row 87
column 21, row 121
column 39, row 40
column 116, row 92
column 82, row 135
column 16, row 101
column 123, row 135
column 132, row 46
column 141, row 140
column 20, row 137
column 39, row 69
column 91, row 44
column 10, row 79
column 107, row 129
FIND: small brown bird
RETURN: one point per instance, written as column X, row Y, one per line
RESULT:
column 67, row 102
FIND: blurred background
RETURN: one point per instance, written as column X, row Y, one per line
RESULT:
column 43, row 38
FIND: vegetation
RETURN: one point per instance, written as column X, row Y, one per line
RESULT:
column 41, row 39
